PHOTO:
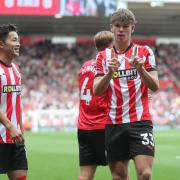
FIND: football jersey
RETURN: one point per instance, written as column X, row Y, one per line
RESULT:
column 127, row 95
column 92, row 109
column 10, row 98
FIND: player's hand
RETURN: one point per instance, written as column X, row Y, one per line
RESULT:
column 16, row 135
column 113, row 63
column 135, row 60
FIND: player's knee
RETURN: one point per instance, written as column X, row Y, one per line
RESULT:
column 80, row 178
column 89, row 177
column 21, row 178
column 119, row 176
column 145, row 175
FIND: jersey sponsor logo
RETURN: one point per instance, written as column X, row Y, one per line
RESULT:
column 129, row 73
column 12, row 88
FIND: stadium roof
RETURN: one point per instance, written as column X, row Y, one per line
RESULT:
column 152, row 21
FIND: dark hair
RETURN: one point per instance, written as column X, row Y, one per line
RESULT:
column 5, row 29
column 124, row 15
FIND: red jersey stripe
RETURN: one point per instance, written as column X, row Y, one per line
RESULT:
column 9, row 103
column 18, row 98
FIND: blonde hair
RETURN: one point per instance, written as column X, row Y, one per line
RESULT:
column 103, row 39
column 123, row 15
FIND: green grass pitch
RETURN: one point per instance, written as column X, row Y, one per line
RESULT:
column 54, row 156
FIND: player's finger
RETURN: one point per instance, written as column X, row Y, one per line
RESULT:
column 112, row 54
column 128, row 59
column 136, row 51
column 18, row 139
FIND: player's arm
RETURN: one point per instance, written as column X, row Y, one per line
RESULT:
column 15, row 133
column 150, row 78
column 20, row 122
column 101, row 81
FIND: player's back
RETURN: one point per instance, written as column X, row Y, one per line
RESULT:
column 92, row 109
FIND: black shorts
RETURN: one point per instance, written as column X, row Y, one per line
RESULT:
column 12, row 157
column 125, row 141
column 92, row 147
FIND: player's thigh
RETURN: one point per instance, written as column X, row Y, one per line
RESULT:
column 119, row 169
column 141, row 141
column 5, row 151
column 18, row 158
column 116, row 142
column 98, row 143
column 86, row 152
column 143, row 164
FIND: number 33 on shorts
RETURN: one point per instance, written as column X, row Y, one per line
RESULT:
column 147, row 139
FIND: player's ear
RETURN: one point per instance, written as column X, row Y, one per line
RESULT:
column 133, row 28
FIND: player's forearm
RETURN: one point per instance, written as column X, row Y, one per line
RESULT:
column 4, row 120
column 21, row 124
column 101, row 84
column 151, row 81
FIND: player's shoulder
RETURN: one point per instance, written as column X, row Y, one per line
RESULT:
column 105, row 54
column 90, row 62
column 16, row 67
column 145, row 49
column 88, row 67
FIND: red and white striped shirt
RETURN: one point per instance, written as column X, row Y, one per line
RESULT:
column 10, row 98
column 127, row 94
column 92, row 109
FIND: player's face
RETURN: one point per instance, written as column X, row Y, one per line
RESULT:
column 11, row 45
column 122, row 31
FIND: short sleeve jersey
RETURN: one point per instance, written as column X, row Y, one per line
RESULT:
column 127, row 94
column 10, row 98
column 92, row 109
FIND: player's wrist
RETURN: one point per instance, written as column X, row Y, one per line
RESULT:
column 110, row 74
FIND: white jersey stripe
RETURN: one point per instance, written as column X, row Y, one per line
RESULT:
column 113, row 105
column 3, row 105
column 125, row 93
column 112, row 112
column 13, row 115
column 139, row 106
column 108, row 59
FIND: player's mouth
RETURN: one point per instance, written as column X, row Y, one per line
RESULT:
column 16, row 49
column 120, row 36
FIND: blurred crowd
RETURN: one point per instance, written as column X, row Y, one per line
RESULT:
column 50, row 82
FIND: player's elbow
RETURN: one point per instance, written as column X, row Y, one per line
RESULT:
column 155, row 87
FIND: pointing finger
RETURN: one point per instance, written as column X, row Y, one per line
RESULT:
column 136, row 51
column 112, row 54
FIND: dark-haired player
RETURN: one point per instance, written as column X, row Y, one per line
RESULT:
column 13, row 159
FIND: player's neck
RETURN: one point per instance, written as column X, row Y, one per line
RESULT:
column 6, row 60
column 121, row 47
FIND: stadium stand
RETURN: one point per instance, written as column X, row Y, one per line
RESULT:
column 50, row 83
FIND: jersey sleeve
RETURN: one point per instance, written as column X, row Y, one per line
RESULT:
column 150, row 62
column 100, row 65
